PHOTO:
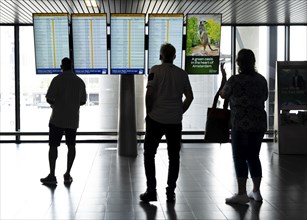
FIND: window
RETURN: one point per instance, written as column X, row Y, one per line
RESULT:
column 205, row 87
column 7, row 79
column 298, row 43
column 34, row 110
column 256, row 39
column 100, row 112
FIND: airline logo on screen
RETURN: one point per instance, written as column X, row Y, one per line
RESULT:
column 91, row 71
column 48, row 70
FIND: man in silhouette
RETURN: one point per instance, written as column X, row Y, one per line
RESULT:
column 166, row 86
column 65, row 94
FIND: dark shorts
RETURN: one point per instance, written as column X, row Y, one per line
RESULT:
column 56, row 134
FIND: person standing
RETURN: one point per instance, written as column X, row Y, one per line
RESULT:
column 166, row 86
column 65, row 94
column 247, row 93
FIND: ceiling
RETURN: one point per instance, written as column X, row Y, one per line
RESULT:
column 234, row 12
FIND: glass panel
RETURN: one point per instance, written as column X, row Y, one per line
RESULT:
column 34, row 110
column 298, row 43
column 281, row 43
column 205, row 88
column 7, row 80
column 100, row 112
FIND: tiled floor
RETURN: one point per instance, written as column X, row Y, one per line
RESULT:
column 107, row 186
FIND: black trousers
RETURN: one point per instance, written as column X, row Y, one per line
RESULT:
column 154, row 133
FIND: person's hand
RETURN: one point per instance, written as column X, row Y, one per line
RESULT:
column 223, row 70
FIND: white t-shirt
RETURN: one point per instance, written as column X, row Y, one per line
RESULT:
column 67, row 91
column 169, row 83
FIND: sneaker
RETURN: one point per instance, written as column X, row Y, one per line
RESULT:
column 255, row 196
column 238, row 199
column 148, row 196
column 67, row 179
column 170, row 197
column 49, row 180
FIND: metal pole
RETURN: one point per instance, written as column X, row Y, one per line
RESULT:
column 127, row 137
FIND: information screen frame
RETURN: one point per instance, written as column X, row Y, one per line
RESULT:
column 132, row 43
column 154, row 43
column 292, row 85
column 203, row 36
column 48, row 50
column 97, row 45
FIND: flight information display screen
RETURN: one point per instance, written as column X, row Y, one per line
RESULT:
column 163, row 29
column 51, row 42
column 203, row 40
column 127, row 43
column 89, row 32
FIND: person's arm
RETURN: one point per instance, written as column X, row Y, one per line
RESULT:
column 149, row 99
column 83, row 96
column 51, row 93
column 188, row 100
column 188, row 93
column 50, row 101
column 224, row 80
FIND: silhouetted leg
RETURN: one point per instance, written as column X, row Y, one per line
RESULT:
column 70, row 136
column 256, row 183
column 71, row 154
column 173, row 138
column 55, row 136
column 239, row 143
column 241, row 185
column 53, row 155
column 153, row 136
column 253, row 160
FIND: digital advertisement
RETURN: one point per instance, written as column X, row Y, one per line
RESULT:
column 203, row 36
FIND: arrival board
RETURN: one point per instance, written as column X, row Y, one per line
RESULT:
column 127, row 43
column 164, row 29
column 51, row 42
column 89, row 33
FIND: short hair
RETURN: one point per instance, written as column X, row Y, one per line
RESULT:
column 66, row 64
column 246, row 61
column 167, row 52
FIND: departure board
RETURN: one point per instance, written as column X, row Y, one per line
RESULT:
column 127, row 43
column 51, row 42
column 164, row 29
column 89, row 33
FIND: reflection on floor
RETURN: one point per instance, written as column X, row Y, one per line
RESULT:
column 107, row 186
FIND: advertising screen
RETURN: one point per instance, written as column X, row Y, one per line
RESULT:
column 89, row 32
column 51, row 42
column 292, row 85
column 203, row 34
column 127, row 43
column 164, row 28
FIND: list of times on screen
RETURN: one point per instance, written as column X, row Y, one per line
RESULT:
column 51, row 41
column 164, row 29
column 127, row 43
column 90, row 43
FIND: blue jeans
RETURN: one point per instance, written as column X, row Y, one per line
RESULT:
column 154, row 133
column 245, row 149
